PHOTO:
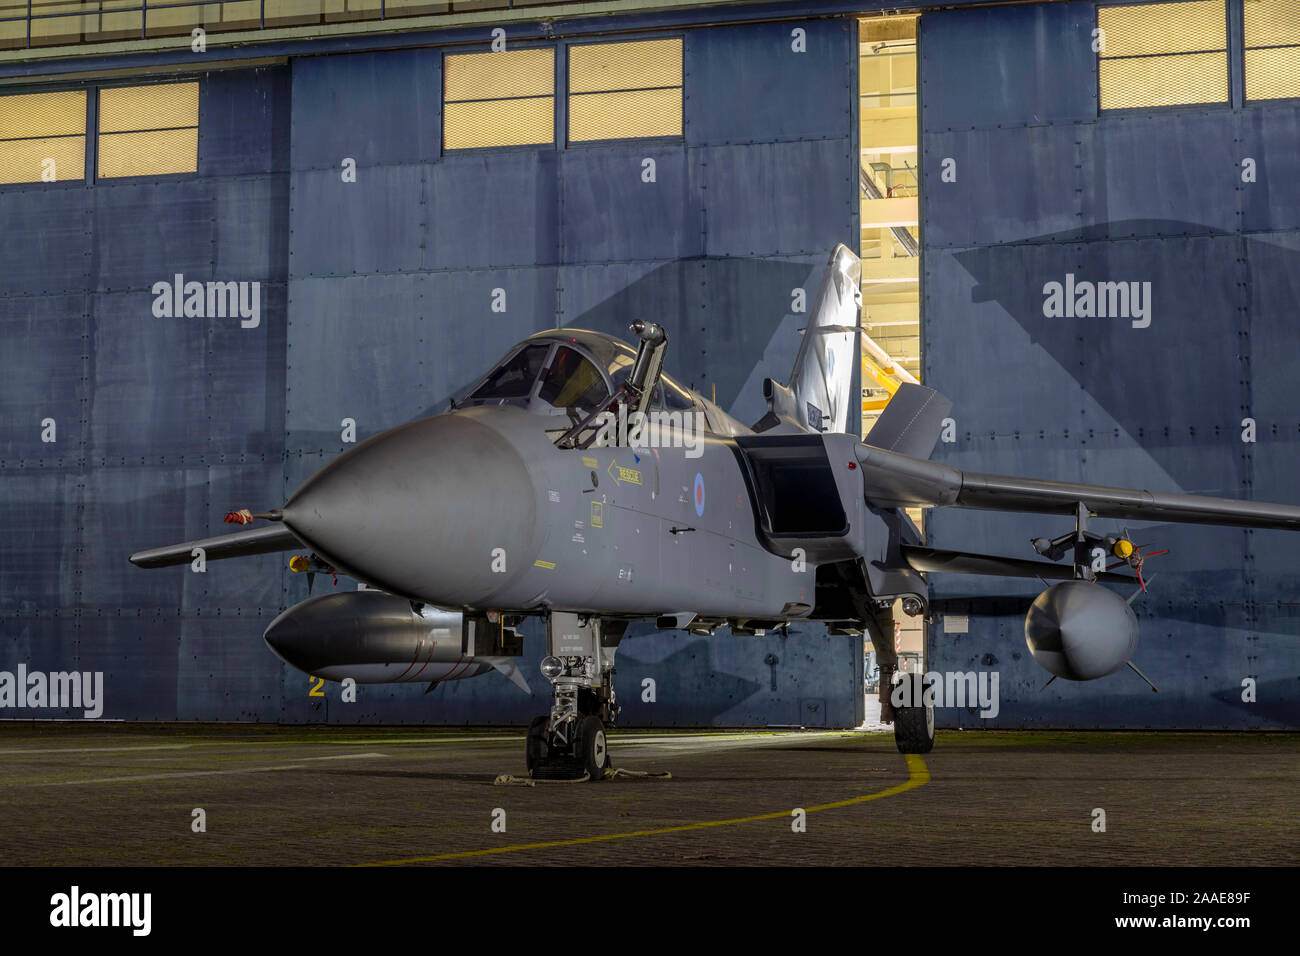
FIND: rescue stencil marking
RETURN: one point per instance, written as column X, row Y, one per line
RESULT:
column 621, row 473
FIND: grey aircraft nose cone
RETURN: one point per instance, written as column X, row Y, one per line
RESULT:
column 422, row 510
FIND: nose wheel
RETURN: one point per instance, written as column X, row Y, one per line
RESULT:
column 537, row 749
column 591, row 746
column 550, row 757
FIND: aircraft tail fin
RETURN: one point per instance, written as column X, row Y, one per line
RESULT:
column 912, row 421
column 819, row 395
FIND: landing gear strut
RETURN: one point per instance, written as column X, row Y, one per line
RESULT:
column 570, row 741
column 914, row 723
column 878, row 617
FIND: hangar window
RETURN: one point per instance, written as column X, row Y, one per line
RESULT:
column 148, row 130
column 499, row 99
column 627, row 90
column 43, row 137
column 1163, row 54
column 1272, row 35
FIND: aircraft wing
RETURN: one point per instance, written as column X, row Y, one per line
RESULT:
column 896, row 480
column 237, row 545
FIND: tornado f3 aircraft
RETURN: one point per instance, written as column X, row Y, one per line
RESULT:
column 577, row 483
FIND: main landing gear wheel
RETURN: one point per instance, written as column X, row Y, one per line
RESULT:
column 590, row 747
column 914, row 729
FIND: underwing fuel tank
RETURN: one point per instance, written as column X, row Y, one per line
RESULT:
column 375, row 638
column 1081, row 631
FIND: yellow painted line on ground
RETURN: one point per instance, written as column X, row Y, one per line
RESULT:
column 918, row 776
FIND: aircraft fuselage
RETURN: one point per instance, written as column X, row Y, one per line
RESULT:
column 478, row 508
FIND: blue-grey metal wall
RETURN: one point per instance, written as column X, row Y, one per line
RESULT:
column 377, row 307
column 161, row 423
column 1046, row 186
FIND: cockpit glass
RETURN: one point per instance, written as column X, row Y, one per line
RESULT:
column 515, row 378
column 667, row 393
column 572, row 382
column 675, row 398
column 620, row 367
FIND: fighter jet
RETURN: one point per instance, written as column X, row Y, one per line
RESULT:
column 578, row 483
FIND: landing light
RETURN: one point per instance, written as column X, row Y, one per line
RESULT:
column 552, row 667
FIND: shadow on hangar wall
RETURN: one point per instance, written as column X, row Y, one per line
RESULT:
column 1162, row 406
column 685, row 297
column 1155, row 193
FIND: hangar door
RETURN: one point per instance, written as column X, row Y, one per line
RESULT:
column 889, row 186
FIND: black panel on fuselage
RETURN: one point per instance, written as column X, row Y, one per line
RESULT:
column 791, row 482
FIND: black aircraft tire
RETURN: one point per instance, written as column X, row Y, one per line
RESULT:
column 591, row 747
column 914, row 729
column 536, row 749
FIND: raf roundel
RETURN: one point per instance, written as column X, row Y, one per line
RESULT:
column 699, row 494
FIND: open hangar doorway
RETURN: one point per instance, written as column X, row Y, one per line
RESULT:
column 889, row 246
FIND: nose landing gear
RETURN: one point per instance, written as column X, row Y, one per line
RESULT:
column 570, row 741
